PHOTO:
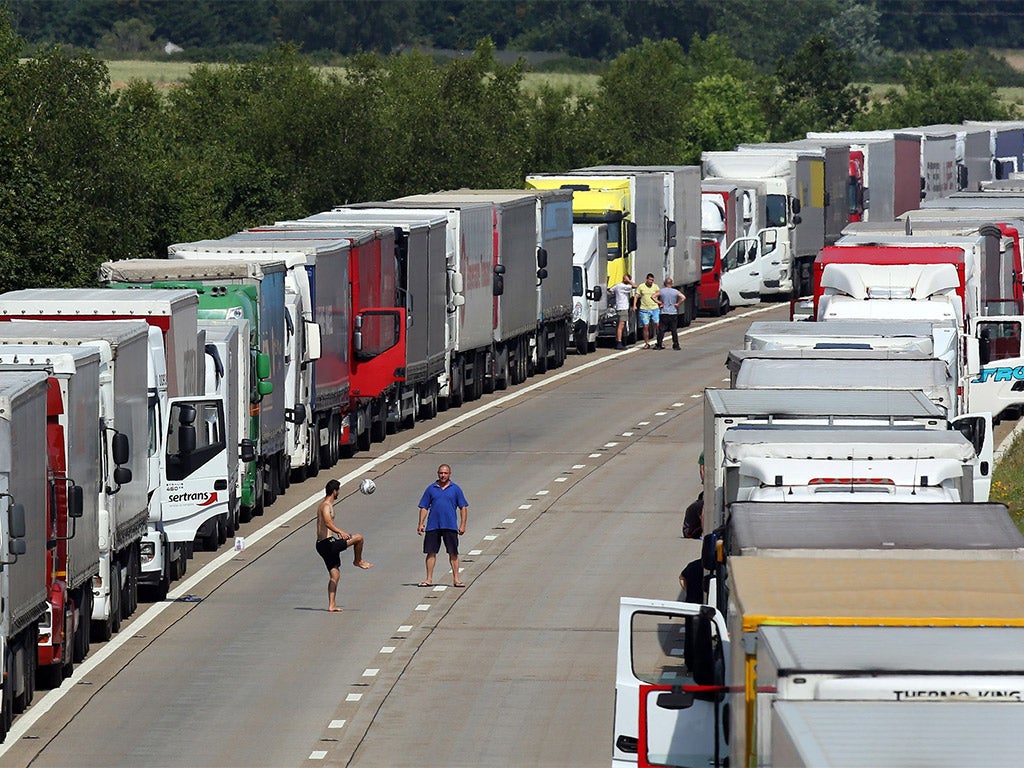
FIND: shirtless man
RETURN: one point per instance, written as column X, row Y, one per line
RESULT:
column 331, row 541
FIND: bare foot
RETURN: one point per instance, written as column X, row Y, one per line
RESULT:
column 363, row 564
column 335, row 609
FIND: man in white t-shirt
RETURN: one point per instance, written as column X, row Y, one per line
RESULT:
column 622, row 292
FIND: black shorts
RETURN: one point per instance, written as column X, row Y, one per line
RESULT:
column 432, row 541
column 330, row 550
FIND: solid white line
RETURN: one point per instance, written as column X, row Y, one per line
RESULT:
column 48, row 700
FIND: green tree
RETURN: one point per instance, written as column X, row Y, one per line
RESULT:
column 814, row 92
column 131, row 39
column 936, row 89
column 721, row 115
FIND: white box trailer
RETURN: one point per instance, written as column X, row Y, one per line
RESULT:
column 856, row 734
column 973, row 151
column 725, row 409
column 1006, row 145
column 130, row 512
column 23, row 533
column 73, row 521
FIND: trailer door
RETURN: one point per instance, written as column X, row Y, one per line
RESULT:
column 671, row 666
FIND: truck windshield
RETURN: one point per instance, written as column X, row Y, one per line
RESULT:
column 775, row 211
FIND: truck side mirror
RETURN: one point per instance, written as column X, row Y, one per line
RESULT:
column 16, row 520
column 262, row 365
column 264, row 388
column 630, row 235
column 120, row 448
column 702, row 657
column 122, row 476
column 186, row 438
column 542, row 258
column 499, row 281
column 596, row 293
column 794, row 206
column 457, row 301
column 76, row 501
column 297, row 415
column 541, row 274
column 456, row 282
column 247, row 450
column 314, row 346
column 186, row 416
column 670, row 234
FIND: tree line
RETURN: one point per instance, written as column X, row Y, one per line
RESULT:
column 93, row 174
column 875, row 32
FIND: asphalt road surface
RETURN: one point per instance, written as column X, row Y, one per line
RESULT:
column 577, row 482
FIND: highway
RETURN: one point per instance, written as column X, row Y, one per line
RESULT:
column 577, row 481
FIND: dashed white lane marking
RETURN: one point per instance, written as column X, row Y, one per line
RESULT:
column 627, row 434
column 405, row 628
column 490, row 537
column 508, row 521
column 594, row 456
column 476, row 552
column 543, row 493
column 371, row 672
column 354, row 697
column 422, row 607
column 695, row 396
column 610, row 445
column 660, row 413
column 642, row 423
column 677, row 405
column 388, row 649
column 439, row 588
column 525, row 506
column 317, row 754
column 561, row 479
column 337, row 724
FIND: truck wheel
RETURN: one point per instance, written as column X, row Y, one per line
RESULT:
column 457, row 383
column 115, row 598
column 541, row 366
column 260, row 505
column 378, row 424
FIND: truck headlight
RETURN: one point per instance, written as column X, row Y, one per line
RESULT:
column 147, row 550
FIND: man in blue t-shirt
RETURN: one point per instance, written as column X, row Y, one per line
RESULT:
column 443, row 511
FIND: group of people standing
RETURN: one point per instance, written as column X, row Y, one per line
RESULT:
column 443, row 512
column 658, row 309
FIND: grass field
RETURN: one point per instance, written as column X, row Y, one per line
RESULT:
column 1008, row 482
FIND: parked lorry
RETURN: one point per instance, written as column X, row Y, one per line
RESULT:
column 777, row 261
column 680, row 663
column 598, row 199
column 738, row 357
column 473, row 279
column 422, row 288
column 23, row 535
column 71, row 515
column 515, row 267
column 892, row 172
column 972, row 151
column 143, row 369
column 669, row 224
column 589, row 278
column 758, row 426
column 1006, row 145
column 232, row 289
column 554, row 259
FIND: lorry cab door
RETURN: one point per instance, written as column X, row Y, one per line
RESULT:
column 742, row 272
column 996, row 364
column 977, row 427
column 671, row 662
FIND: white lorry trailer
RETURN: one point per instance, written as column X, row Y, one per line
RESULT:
column 146, row 367
column 72, row 517
column 23, row 535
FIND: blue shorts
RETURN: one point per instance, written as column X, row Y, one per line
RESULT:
column 648, row 316
column 432, row 541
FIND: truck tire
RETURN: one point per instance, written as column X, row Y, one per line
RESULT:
column 457, row 382
column 542, row 352
column 259, row 506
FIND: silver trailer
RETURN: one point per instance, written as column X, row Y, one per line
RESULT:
column 737, row 357
column 858, row 734
column 1006, row 145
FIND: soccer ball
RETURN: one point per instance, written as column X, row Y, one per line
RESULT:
column 367, row 486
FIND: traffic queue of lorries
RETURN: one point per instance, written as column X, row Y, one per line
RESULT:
column 183, row 395
column 858, row 600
